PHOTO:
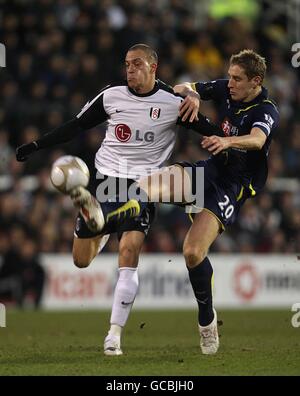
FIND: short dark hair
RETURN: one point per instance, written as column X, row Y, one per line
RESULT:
column 253, row 63
column 152, row 55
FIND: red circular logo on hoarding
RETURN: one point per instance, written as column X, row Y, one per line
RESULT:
column 246, row 281
column 122, row 132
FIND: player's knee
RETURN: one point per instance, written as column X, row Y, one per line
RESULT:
column 83, row 252
column 193, row 255
column 81, row 263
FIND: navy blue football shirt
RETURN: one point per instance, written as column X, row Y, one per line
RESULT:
column 236, row 119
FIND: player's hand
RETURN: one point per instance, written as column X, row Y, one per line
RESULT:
column 215, row 144
column 23, row 152
column 190, row 106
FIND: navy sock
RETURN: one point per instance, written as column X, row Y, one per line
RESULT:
column 200, row 277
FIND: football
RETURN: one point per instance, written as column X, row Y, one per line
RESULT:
column 69, row 172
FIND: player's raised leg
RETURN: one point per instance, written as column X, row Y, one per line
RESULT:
column 125, row 290
column 170, row 185
column 86, row 249
column 203, row 232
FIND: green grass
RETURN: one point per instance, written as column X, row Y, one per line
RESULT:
column 70, row 343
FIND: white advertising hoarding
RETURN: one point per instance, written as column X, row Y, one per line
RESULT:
column 239, row 281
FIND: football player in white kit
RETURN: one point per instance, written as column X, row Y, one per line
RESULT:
column 142, row 118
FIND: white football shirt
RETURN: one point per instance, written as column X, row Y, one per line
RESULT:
column 141, row 129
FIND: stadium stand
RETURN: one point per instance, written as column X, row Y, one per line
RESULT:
column 61, row 53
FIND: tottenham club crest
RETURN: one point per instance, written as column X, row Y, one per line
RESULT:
column 154, row 113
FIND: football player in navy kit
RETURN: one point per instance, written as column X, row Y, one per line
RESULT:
column 236, row 171
column 141, row 115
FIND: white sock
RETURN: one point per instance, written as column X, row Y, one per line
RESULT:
column 125, row 292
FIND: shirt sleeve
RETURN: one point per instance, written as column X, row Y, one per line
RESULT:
column 203, row 126
column 62, row 134
column 266, row 118
column 211, row 90
column 92, row 113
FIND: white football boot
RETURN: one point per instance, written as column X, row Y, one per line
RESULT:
column 93, row 213
column 209, row 337
column 89, row 208
column 112, row 345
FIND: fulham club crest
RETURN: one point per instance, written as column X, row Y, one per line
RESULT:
column 154, row 113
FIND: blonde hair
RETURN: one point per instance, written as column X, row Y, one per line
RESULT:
column 253, row 63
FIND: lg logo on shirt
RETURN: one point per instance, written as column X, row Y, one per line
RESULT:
column 123, row 134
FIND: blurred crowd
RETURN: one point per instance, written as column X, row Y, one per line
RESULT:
column 61, row 53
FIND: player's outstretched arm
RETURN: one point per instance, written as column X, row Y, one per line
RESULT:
column 62, row 134
column 253, row 141
column 92, row 114
column 202, row 125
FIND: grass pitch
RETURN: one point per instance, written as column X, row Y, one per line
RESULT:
column 154, row 343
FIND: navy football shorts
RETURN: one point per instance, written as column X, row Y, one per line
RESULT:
column 222, row 196
column 141, row 223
